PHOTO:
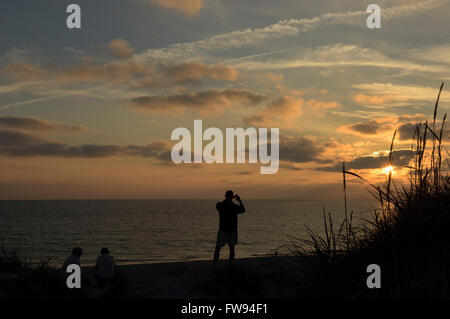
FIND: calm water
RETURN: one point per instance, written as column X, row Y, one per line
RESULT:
column 138, row 231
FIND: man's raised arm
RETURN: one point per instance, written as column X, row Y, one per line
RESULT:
column 242, row 208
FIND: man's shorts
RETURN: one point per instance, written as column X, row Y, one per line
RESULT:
column 226, row 238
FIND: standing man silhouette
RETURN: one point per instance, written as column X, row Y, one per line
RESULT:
column 228, row 221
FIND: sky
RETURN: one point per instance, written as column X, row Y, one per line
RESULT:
column 88, row 113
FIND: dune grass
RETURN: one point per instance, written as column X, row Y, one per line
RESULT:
column 408, row 236
column 26, row 278
column 22, row 277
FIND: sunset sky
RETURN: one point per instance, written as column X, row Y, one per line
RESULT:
column 88, row 113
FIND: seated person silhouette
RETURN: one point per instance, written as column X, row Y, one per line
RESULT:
column 73, row 259
column 105, row 268
column 228, row 222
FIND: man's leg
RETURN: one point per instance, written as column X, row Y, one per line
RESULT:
column 231, row 253
column 217, row 253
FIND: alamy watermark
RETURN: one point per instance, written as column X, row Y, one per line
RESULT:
column 213, row 152
column 374, row 20
column 74, row 279
column 374, row 279
column 73, row 20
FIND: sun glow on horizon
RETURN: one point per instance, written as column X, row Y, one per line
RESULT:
column 388, row 169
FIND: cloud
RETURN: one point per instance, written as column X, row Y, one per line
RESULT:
column 8, row 88
column 117, row 78
column 400, row 157
column 363, row 99
column 300, row 150
column 32, row 123
column 153, row 149
column 280, row 112
column 437, row 54
column 372, row 127
column 61, row 150
column 24, row 144
column 336, row 55
column 317, row 105
column 289, row 166
column 119, row 71
column 187, row 7
column 387, row 92
column 284, row 110
column 15, row 138
column 25, row 71
column 211, row 102
column 133, row 73
column 383, row 124
column 198, row 70
column 407, row 130
column 283, row 28
column 120, row 48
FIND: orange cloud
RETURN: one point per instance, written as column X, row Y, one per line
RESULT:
column 119, row 71
column 280, row 112
column 23, row 71
column 187, row 7
column 372, row 99
column 273, row 77
column 134, row 73
column 120, row 48
column 322, row 105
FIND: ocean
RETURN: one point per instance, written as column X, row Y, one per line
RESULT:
column 149, row 231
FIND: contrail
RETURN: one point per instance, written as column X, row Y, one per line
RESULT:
column 284, row 28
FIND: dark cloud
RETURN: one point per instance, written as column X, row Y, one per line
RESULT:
column 153, row 149
column 400, row 157
column 300, row 150
column 117, row 72
column 371, row 127
column 210, row 102
column 18, row 143
column 290, row 166
column 406, row 131
column 31, row 123
column 13, row 138
column 61, row 150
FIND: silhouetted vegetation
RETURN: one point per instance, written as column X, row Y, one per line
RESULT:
column 22, row 277
column 408, row 236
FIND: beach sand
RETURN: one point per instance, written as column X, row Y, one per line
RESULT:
column 259, row 277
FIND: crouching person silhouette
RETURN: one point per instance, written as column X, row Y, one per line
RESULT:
column 105, row 268
column 228, row 221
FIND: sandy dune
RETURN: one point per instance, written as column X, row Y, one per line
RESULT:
column 262, row 277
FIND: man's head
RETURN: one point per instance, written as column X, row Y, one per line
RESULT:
column 104, row 251
column 229, row 195
column 77, row 251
